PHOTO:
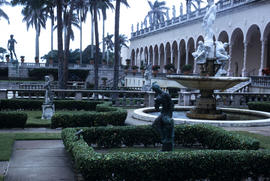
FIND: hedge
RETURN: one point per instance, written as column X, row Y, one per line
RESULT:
column 74, row 75
column 105, row 115
column 12, row 120
column 25, row 104
column 4, row 72
column 193, row 165
column 259, row 106
column 208, row 136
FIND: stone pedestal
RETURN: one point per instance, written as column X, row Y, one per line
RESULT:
column 47, row 111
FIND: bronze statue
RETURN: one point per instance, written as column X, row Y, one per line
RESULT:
column 164, row 123
column 11, row 47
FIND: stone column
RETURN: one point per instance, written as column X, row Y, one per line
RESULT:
column 264, row 44
column 149, row 99
column 230, row 71
column 154, row 57
column 149, row 56
column 178, row 61
column 172, row 55
column 165, row 61
column 187, row 50
column 244, row 70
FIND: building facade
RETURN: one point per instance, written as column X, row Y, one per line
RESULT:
column 245, row 24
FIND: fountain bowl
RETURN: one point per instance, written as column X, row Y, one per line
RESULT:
column 207, row 82
column 263, row 117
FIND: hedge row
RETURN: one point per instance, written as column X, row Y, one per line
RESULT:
column 208, row 136
column 193, row 165
column 25, row 104
column 74, row 75
column 108, row 116
column 4, row 72
column 12, row 120
column 259, row 106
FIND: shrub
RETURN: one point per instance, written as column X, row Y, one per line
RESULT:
column 4, row 72
column 259, row 106
column 25, row 104
column 208, row 136
column 193, row 165
column 104, row 115
column 12, row 120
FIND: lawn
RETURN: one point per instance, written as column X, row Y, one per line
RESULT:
column 264, row 140
column 7, row 140
column 1, row 177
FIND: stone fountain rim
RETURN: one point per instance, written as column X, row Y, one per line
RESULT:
column 207, row 78
column 141, row 114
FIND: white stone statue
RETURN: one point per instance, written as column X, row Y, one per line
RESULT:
column 167, row 15
column 132, row 28
column 173, row 11
column 222, row 57
column 208, row 22
column 138, row 26
column 145, row 23
column 181, row 9
column 141, row 25
column 48, row 92
column 148, row 77
column 200, row 54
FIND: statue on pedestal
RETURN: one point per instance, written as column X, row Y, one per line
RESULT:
column 48, row 106
column 148, row 77
column 11, row 47
column 173, row 11
column 164, row 123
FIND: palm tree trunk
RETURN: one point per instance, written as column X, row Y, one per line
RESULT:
column 116, row 45
column 52, row 25
column 92, row 36
column 59, row 4
column 80, row 36
column 103, row 43
column 97, row 47
column 37, row 42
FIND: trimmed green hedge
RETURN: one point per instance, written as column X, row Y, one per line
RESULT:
column 4, row 72
column 12, row 120
column 259, row 106
column 193, row 165
column 74, row 75
column 25, row 104
column 208, row 136
column 104, row 115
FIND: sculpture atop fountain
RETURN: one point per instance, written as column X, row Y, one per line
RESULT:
column 211, row 56
column 148, row 77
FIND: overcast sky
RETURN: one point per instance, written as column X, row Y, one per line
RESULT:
column 26, row 39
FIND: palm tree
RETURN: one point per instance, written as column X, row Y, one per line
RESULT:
column 123, row 40
column 157, row 12
column 95, row 6
column 117, row 43
column 35, row 16
column 82, row 9
column 2, row 13
column 109, row 44
column 49, row 7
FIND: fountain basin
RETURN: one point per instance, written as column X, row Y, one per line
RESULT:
column 207, row 82
column 263, row 118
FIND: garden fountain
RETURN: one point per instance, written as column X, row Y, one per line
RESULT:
column 211, row 58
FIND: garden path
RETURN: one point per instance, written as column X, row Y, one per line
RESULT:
column 39, row 160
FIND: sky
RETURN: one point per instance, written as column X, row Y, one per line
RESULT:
column 26, row 39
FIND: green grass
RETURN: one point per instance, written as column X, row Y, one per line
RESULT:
column 142, row 149
column 1, row 177
column 264, row 140
column 7, row 140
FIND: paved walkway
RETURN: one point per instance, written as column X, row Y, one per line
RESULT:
column 39, row 161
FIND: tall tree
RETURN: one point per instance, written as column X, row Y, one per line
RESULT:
column 82, row 9
column 95, row 7
column 49, row 7
column 157, row 12
column 195, row 3
column 2, row 13
column 35, row 16
column 117, row 42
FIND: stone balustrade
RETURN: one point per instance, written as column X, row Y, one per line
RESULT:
column 223, row 5
column 260, row 81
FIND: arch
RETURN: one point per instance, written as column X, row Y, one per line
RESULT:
column 137, row 57
column 190, row 50
column 167, row 53
column 162, row 56
column 146, row 54
column 175, row 54
column 200, row 38
column 155, row 62
column 132, row 57
column 182, row 49
column 151, row 54
column 237, row 52
column 253, row 40
column 266, row 41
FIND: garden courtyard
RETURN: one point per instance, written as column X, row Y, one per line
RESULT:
column 37, row 152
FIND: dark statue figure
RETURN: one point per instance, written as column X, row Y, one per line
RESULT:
column 164, row 123
column 11, row 47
